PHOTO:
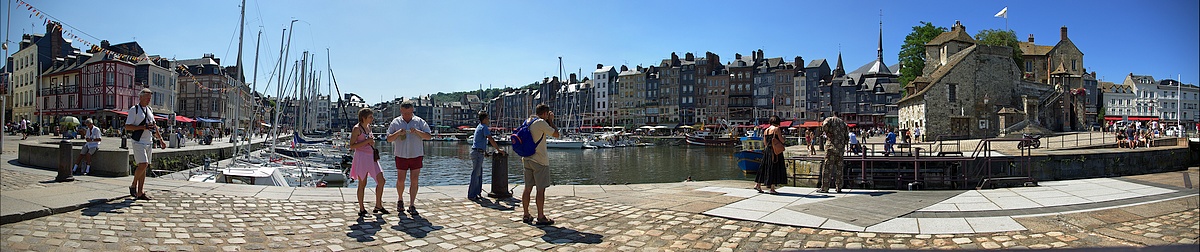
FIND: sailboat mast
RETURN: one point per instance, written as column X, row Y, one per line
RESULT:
column 254, row 89
column 278, row 94
column 237, row 113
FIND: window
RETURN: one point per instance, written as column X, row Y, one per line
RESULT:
column 1029, row 66
column 1073, row 64
column 952, row 92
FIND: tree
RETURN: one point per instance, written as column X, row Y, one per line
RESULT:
column 912, row 53
column 1002, row 38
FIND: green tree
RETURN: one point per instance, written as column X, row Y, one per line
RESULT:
column 1002, row 38
column 912, row 53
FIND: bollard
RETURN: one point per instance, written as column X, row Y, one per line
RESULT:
column 123, row 142
column 500, row 176
column 64, row 162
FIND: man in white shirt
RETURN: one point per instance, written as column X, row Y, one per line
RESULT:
column 407, row 133
column 92, row 137
column 537, row 166
column 140, row 121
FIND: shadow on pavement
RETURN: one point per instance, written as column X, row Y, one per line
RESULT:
column 501, row 204
column 561, row 235
column 365, row 230
column 415, row 226
column 98, row 206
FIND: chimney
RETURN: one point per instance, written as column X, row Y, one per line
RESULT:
column 1031, row 38
column 545, row 80
column 760, row 54
column 574, row 78
column 737, row 55
column 1063, row 31
column 599, row 66
column 104, row 43
column 799, row 62
column 674, row 57
column 957, row 25
column 689, row 57
column 624, row 68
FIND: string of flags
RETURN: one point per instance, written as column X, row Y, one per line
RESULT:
column 58, row 27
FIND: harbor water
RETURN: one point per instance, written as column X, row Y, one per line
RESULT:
column 449, row 163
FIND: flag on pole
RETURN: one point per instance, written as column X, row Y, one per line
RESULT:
column 1003, row 13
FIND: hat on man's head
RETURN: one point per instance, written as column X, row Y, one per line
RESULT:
column 147, row 91
column 406, row 104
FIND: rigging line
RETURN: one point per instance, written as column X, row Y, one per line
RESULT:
column 231, row 38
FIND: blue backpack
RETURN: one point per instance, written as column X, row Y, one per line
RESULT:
column 522, row 140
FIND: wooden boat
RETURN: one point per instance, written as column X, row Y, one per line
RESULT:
column 707, row 138
column 750, row 157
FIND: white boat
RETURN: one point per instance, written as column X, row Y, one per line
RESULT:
column 246, row 175
column 553, row 143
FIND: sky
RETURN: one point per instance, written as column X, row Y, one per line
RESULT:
column 387, row 49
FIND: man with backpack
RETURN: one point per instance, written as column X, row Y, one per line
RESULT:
column 531, row 136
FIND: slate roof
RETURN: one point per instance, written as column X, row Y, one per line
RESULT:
column 603, row 69
column 1029, row 48
column 937, row 75
column 956, row 34
column 895, row 69
column 816, row 63
column 874, row 67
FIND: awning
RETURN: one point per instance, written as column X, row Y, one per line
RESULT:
column 851, row 125
column 811, row 124
column 785, row 124
column 463, row 127
column 1131, row 118
column 206, row 120
column 184, row 119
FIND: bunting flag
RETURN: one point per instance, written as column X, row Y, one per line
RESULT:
column 58, row 26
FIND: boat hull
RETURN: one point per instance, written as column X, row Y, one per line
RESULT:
column 711, row 141
column 749, row 161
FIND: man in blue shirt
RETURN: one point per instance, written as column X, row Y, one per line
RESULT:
column 889, row 141
column 478, row 148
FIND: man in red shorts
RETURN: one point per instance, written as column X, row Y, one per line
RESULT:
column 406, row 134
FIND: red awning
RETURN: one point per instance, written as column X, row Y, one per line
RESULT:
column 764, row 126
column 851, row 125
column 785, row 124
column 810, row 124
column 463, row 127
column 1131, row 118
column 184, row 119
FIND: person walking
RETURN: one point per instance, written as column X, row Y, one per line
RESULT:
column 854, row 145
column 772, row 173
column 140, row 121
column 406, row 133
column 810, row 140
column 832, row 167
column 917, row 133
column 889, row 141
column 478, row 148
column 24, row 128
column 537, row 166
column 366, row 161
column 92, row 137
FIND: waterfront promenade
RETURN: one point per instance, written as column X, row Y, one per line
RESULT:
column 1132, row 211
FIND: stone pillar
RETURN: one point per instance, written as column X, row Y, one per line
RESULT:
column 64, row 162
column 1031, row 109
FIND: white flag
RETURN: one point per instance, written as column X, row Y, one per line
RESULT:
column 1003, row 13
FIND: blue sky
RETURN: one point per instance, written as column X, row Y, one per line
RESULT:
column 386, row 49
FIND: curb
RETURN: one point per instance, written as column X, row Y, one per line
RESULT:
column 45, row 211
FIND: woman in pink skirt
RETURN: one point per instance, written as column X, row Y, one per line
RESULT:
column 366, row 164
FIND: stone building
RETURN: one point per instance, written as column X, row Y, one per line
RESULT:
column 35, row 55
column 712, row 94
column 629, row 99
column 209, row 91
column 741, row 93
column 603, row 80
column 963, row 88
column 1062, row 65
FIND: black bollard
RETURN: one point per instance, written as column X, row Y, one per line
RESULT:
column 64, row 162
column 500, row 176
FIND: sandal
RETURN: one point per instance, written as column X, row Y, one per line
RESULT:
column 545, row 222
column 759, row 190
column 143, row 197
column 379, row 209
column 400, row 206
column 412, row 209
column 527, row 219
column 362, row 212
column 132, row 192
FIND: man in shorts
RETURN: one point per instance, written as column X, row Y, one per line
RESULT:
column 140, row 122
column 537, row 166
column 91, row 134
column 407, row 132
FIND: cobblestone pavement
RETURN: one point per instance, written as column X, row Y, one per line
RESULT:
column 201, row 222
column 11, row 180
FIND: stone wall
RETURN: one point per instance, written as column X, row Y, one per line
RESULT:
column 110, row 162
column 987, row 72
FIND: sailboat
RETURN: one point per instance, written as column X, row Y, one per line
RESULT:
column 564, row 142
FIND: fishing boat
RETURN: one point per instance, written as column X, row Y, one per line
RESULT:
column 750, row 157
column 708, row 138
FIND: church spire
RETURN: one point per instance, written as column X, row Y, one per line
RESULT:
column 839, row 71
column 879, row 50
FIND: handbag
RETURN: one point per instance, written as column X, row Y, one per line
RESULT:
column 373, row 149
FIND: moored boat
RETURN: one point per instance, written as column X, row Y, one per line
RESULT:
column 707, row 138
column 750, row 157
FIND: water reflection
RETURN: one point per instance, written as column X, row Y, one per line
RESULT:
column 448, row 163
